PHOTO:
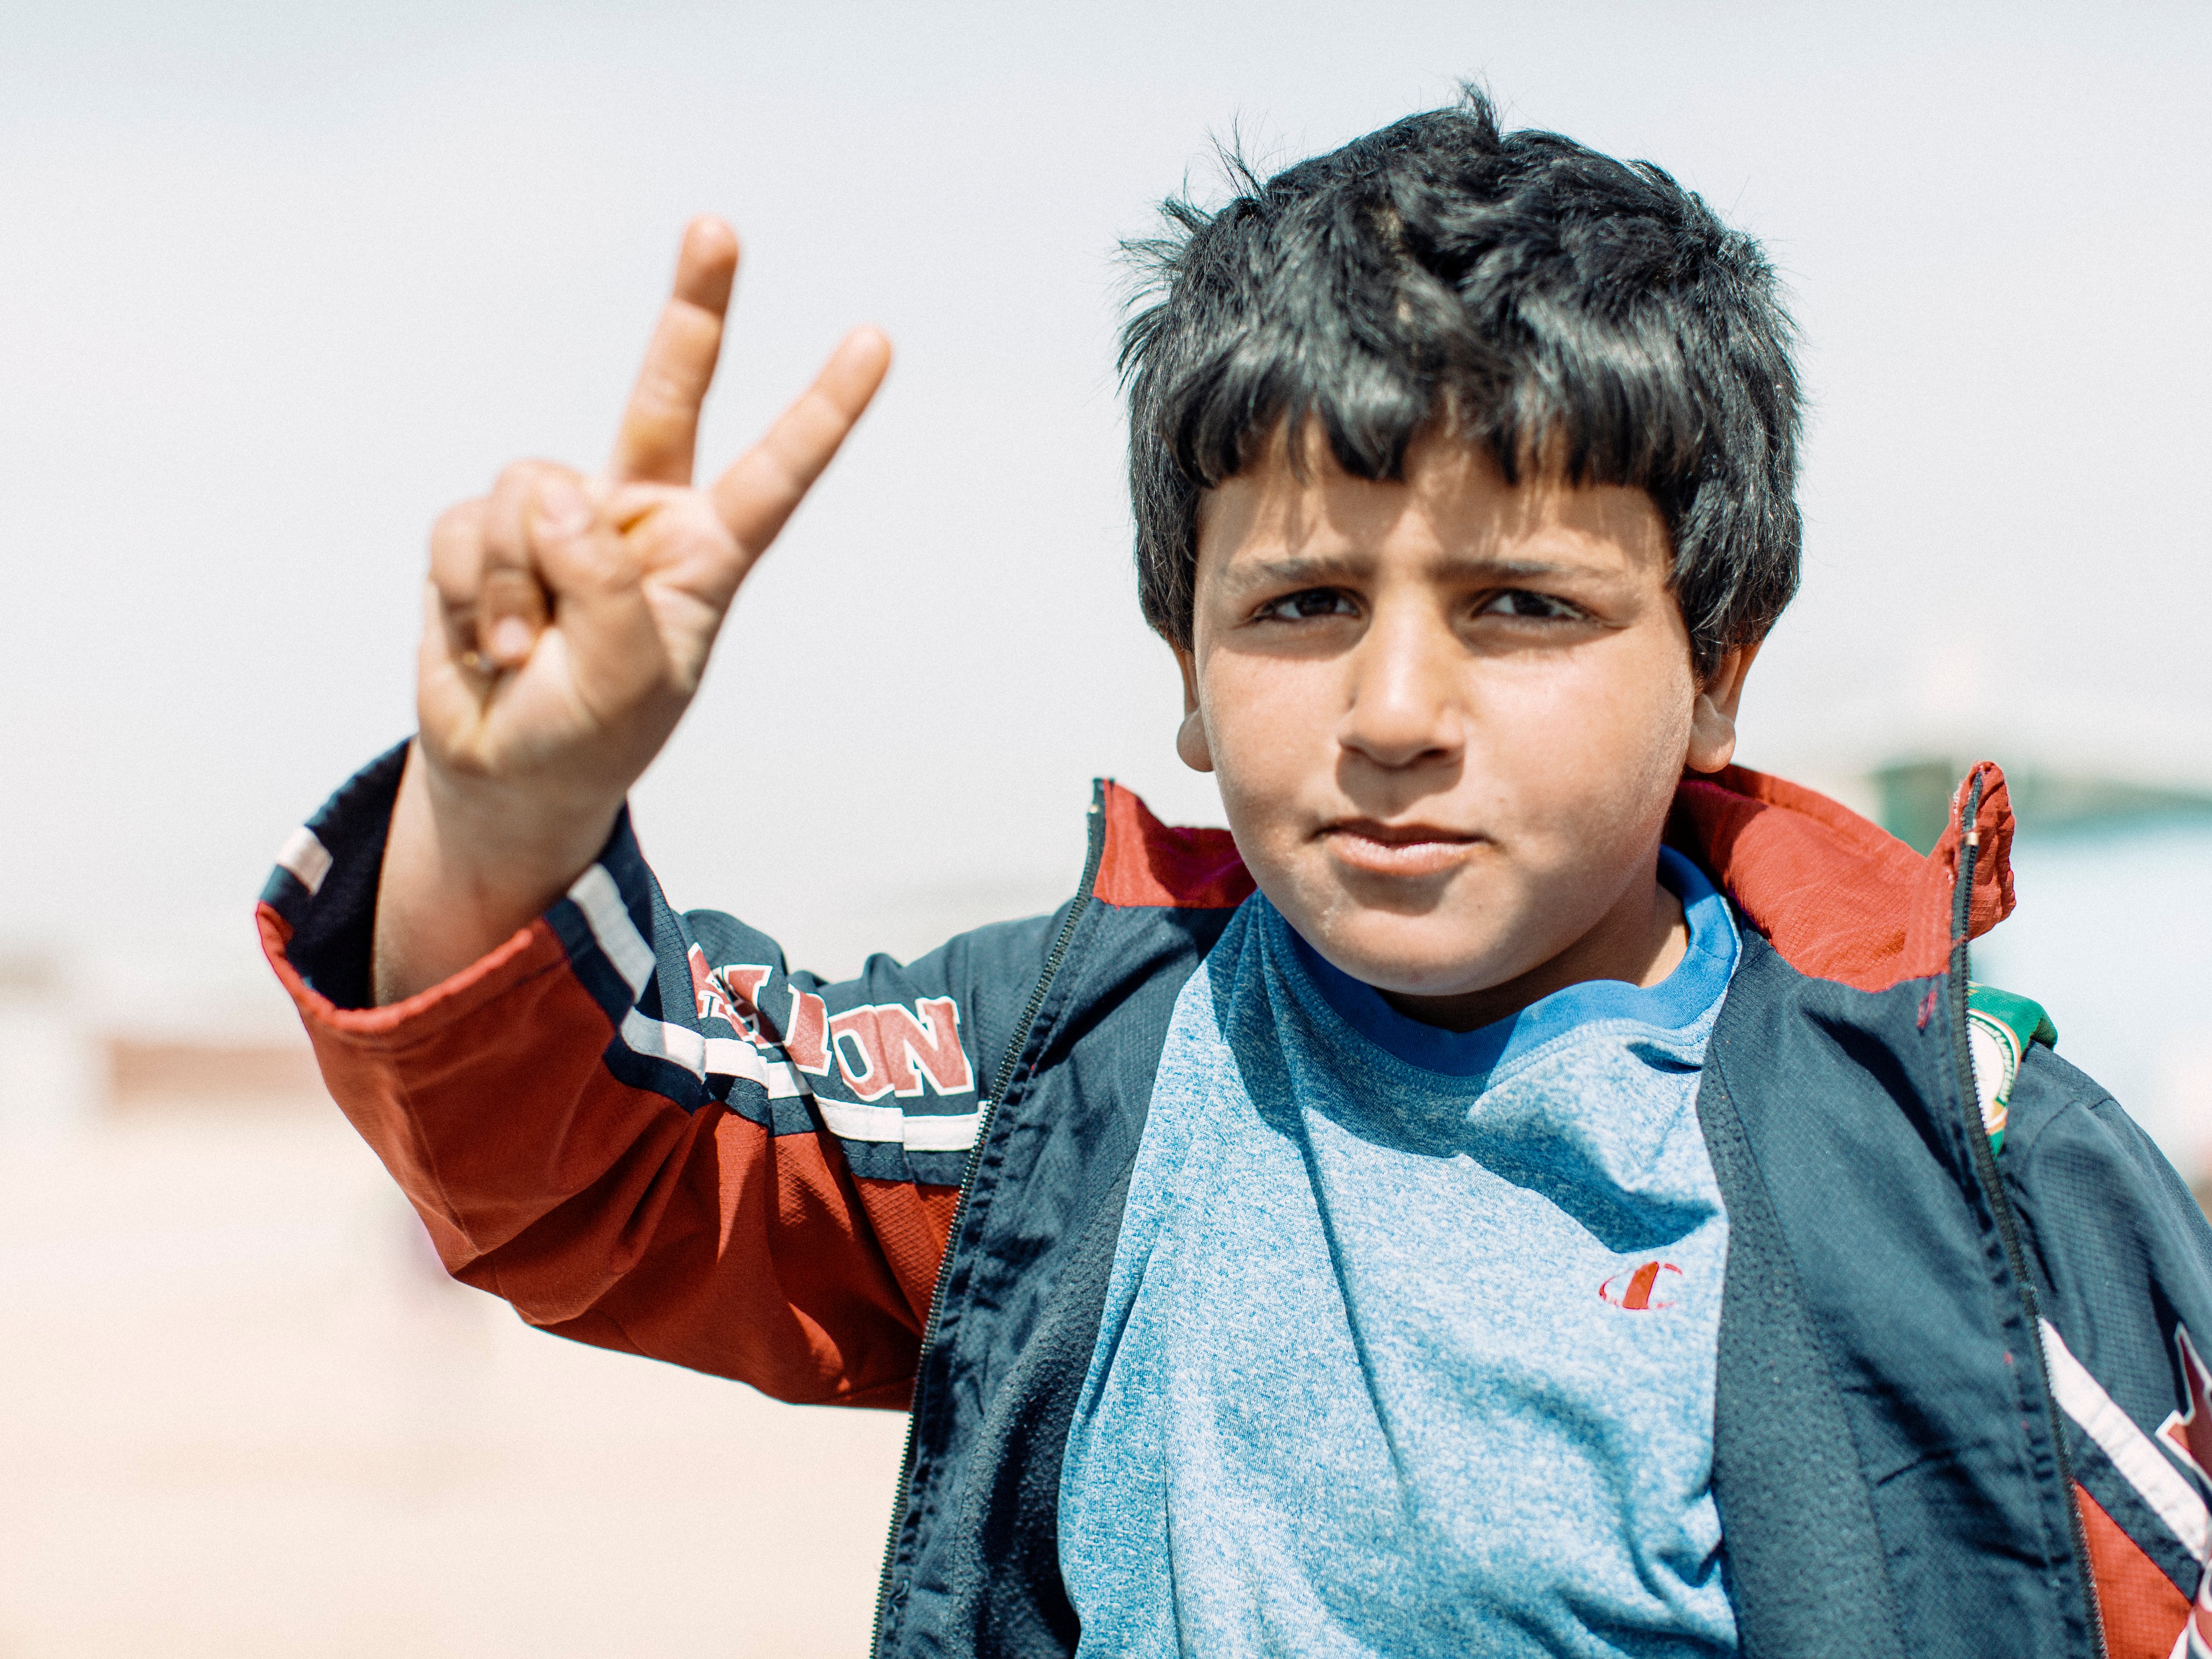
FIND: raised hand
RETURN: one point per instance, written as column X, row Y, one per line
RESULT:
column 569, row 621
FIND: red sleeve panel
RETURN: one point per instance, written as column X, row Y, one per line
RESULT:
column 631, row 1162
column 607, row 1212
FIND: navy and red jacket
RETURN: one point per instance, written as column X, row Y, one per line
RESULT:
column 1952, row 1387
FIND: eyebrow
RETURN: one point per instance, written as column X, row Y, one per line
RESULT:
column 1321, row 569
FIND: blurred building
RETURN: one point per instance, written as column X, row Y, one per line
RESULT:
column 70, row 1055
column 2113, row 929
column 235, row 1365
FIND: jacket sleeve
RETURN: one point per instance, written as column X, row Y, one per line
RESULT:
column 2123, row 1260
column 646, row 1132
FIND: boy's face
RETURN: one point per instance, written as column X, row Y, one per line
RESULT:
column 1448, row 716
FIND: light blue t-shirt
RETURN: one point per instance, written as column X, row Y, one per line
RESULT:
column 1408, row 1347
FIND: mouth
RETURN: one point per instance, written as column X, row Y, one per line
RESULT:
column 1398, row 849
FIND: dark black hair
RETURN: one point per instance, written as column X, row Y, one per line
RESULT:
column 1556, row 306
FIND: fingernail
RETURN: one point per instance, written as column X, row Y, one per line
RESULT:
column 510, row 640
column 562, row 508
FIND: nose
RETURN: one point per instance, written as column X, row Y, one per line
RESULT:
column 1402, row 706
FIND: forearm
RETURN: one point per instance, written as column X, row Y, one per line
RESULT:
column 466, row 866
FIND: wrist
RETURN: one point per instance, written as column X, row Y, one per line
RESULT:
column 511, row 843
column 468, row 862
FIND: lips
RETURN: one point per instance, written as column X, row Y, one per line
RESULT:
column 1399, row 849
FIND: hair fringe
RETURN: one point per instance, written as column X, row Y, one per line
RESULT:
column 1554, row 306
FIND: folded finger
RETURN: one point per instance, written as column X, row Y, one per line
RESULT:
column 660, row 428
column 456, row 561
column 511, row 600
column 763, row 485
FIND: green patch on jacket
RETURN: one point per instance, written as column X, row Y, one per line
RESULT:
column 2000, row 1027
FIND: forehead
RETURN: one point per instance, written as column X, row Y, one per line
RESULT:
column 1453, row 505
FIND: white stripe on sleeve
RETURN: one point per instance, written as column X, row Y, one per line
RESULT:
column 678, row 1044
column 596, row 895
column 306, row 858
column 931, row 1132
column 939, row 1132
column 2134, row 1453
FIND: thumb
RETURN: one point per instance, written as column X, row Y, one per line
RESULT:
column 612, row 646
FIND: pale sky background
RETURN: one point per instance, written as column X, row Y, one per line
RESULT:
column 278, row 283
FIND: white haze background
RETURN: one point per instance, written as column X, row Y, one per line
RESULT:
column 277, row 283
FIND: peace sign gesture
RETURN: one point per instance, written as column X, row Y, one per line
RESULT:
column 569, row 621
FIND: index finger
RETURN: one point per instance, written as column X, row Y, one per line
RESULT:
column 660, row 428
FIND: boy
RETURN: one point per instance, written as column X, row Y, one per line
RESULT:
column 1560, row 1211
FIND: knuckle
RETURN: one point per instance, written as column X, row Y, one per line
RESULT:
column 616, row 566
column 508, row 589
column 518, row 480
column 456, row 549
column 461, row 518
column 459, row 528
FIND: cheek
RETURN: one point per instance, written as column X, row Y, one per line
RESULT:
column 1267, row 731
column 1604, row 742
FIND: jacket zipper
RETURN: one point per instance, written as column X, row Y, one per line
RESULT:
column 985, row 1114
column 1992, row 1182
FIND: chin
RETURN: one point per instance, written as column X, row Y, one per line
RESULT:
column 1419, row 957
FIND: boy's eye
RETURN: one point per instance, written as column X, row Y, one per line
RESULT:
column 1310, row 603
column 1520, row 602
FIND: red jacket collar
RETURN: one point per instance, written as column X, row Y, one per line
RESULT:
column 1839, row 897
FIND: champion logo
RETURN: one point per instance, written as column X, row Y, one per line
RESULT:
column 1632, row 1288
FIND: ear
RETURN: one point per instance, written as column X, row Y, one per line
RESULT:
column 1190, row 736
column 1712, row 717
